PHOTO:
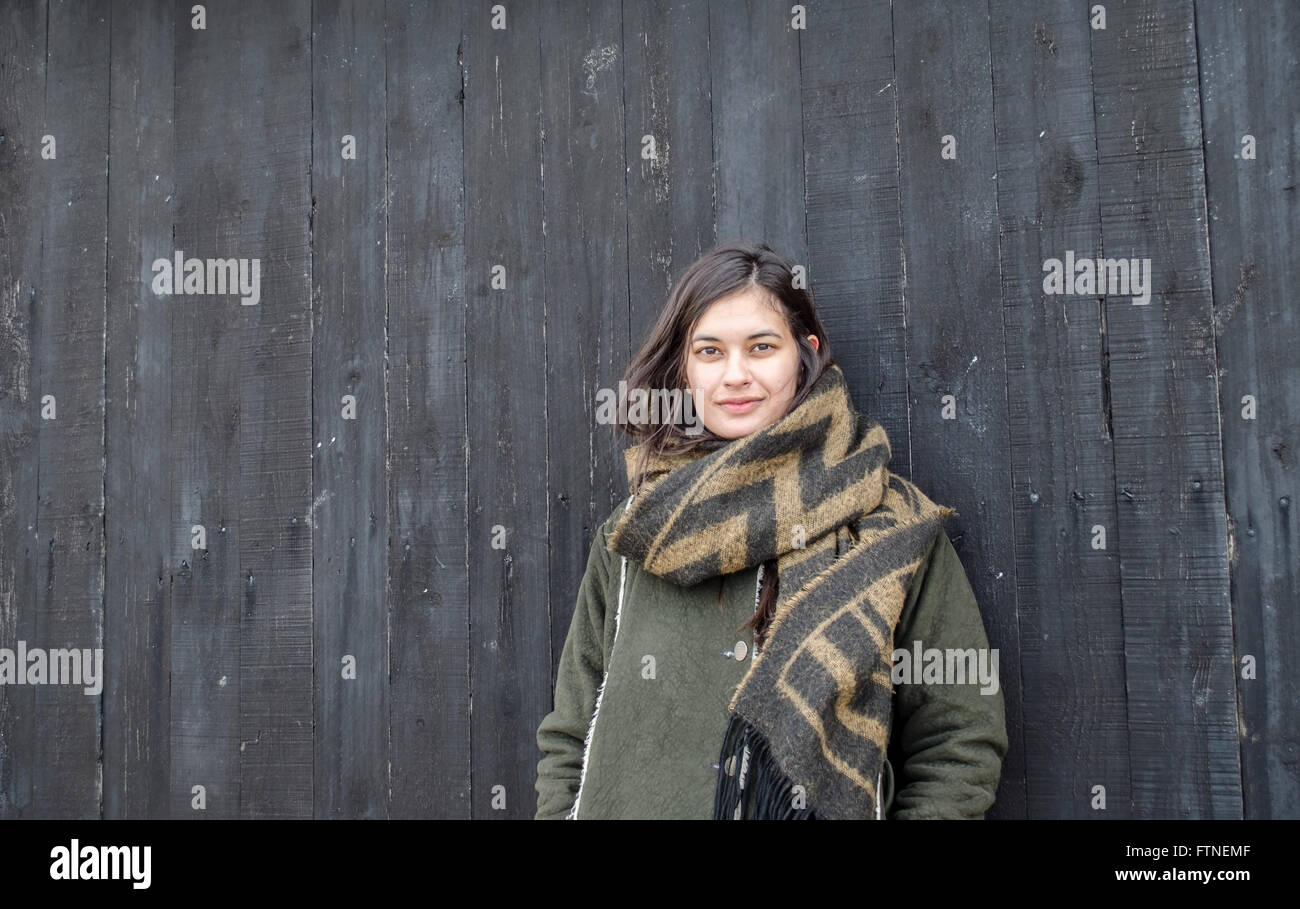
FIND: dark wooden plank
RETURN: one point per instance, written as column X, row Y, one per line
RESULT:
column 261, row 671
column 855, row 252
column 428, row 597
column 757, row 144
column 585, row 269
column 137, row 462
column 213, row 136
column 1248, row 75
column 506, row 365
column 275, row 397
column 69, row 343
column 1164, row 400
column 1071, row 622
column 25, row 180
column 955, row 340
column 349, row 202
column 669, row 198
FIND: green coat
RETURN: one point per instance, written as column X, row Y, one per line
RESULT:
column 651, row 729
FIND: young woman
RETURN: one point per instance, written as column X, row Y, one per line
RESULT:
column 732, row 653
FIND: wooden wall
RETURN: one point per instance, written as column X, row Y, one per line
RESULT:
column 438, row 311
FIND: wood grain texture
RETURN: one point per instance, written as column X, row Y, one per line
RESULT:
column 428, row 592
column 348, row 515
column 670, row 198
column 507, row 423
column 1172, row 534
column 68, row 342
column 584, row 249
column 138, row 461
column 1068, row 592
column 25, row 184
column 757, row 109
column 1249, row 66
column 205, row 439
column 855, row 229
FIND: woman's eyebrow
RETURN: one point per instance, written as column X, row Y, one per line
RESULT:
column 758, row 334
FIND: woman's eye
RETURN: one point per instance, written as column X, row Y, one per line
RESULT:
column 706, row 350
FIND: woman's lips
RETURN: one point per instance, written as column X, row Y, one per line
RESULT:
column 742, row 408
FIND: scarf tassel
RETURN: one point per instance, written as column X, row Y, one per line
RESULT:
column 756, row 789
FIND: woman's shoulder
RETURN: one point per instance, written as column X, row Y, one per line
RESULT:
column 940, row 585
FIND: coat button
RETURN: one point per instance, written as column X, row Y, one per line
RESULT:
column 741, row 650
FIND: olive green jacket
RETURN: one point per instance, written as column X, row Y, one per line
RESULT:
column 637, row 729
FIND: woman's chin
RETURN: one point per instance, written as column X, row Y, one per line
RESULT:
column 730, row 426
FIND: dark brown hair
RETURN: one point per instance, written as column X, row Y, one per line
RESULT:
column 661, row 361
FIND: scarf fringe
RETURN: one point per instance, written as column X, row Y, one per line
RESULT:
column 757, row 789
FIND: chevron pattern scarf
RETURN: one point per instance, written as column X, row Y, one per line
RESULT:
column 810, row 722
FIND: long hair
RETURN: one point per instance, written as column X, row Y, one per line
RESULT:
column 660, row 364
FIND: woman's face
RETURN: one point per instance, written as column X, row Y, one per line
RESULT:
column 742, row 351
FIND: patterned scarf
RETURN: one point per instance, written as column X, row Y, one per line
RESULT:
column 813, row 491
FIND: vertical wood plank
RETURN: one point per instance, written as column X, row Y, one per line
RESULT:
column 669, row 197
column 506, row 386
column 69, row 342
column 348, row 514
column 954, row 333
column 1172, row 533
column 585, row 270
column 275, row 375
column 138, row 462
column 757, row 140
column 855, row 252
column 1249, row 68
column 428, row 593
column 25, row 180
column 205, row 411
column 1071, row 620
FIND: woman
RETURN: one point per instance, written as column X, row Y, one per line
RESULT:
column 732, row 653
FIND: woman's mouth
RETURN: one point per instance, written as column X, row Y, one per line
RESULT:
column 744, row 407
